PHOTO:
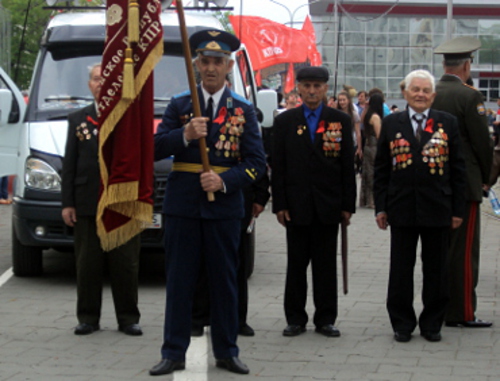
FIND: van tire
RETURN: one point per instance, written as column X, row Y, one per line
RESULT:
column 26, row 260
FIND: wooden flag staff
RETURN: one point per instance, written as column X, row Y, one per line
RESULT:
column 192, row 87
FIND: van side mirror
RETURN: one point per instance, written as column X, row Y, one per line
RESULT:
column 267, row 102
column 5, row 106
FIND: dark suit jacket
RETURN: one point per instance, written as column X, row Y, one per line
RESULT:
column 308, row 178
column 408, row 185
column 80, row 173
column 466, row 103
column 184, row 195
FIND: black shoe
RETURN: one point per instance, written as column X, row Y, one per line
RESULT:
column 328, row 330
column 402, row 336
column 86, row 329
column 293, row 330
column 431, row 336
column 246, row 330
column 232, row 364
column 476, row 323
column 167, row 366
column 197, row 330
column 131, row 330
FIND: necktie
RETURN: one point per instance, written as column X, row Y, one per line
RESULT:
column 419, row 118
column 209, row 112
column 312, row 127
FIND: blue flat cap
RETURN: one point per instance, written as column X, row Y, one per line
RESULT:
column 214, row 42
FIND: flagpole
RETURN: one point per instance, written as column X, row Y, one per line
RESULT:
column 192, row 87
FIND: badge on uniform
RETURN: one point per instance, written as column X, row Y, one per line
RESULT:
column 481, row 110
column 300, row 129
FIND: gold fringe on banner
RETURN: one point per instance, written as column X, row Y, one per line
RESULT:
column 128, row 90
column 133, row 22
column 113, row 195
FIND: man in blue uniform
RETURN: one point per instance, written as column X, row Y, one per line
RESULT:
column 194, row 226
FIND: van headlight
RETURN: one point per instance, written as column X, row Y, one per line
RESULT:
column 40, row 175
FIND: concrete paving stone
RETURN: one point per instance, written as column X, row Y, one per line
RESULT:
column 443, row 371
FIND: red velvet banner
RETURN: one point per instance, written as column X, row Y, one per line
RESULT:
column 126, row 119
column 270, row 43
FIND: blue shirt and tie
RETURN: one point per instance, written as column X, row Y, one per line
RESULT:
column 312, row 117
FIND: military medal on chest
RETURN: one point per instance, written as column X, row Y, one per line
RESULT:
column 232, row 127
column 400, row 152
column 435, row 152
column 332, row 138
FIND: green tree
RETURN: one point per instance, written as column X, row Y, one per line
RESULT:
column 29, row 20
column 223, row 18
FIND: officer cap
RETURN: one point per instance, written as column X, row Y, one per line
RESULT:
column 313, row 73
column 458, row 48
column 214, row 42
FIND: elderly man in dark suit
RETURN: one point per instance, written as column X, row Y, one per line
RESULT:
column 419, row 190
column 313, row 187
column 194, row 226
column 466, row 103
column 80, row 193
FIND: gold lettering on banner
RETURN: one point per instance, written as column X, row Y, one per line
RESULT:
column 149, row 35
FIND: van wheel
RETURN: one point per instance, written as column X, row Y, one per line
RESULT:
column 250, row 253
column 26, row 260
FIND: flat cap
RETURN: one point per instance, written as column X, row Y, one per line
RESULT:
column 459, row 47
column 313, row 73
column 214, row 42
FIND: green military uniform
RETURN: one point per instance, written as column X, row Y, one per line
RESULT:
column 466, row 103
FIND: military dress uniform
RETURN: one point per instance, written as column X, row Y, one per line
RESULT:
column 314, row 180
column 80, row 189
column 420, row 185
column 195, row 227
column 466, row 103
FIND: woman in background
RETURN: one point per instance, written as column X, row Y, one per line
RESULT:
column 373, row 123
column 345, row 104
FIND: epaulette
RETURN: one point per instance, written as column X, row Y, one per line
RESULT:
column 240, row 98
column 183, row 94
column 469, row 86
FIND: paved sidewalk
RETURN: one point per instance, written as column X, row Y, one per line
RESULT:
column 37, row 320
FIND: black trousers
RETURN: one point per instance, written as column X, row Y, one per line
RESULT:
column 435, row 292
column 464, row 266
column 316, row 244
column 123, row 264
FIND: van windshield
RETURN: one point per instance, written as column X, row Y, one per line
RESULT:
column 63, row 85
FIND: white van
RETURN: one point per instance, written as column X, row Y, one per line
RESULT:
column 33, row 136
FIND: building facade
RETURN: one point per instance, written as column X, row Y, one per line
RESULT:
column 377, row 42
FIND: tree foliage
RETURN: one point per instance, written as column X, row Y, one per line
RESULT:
column 28, row 20
column 223, row 18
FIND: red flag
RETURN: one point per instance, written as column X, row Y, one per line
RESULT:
column 126, row 119
column 268, row 42
column 290, row 79
column 312, row 51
